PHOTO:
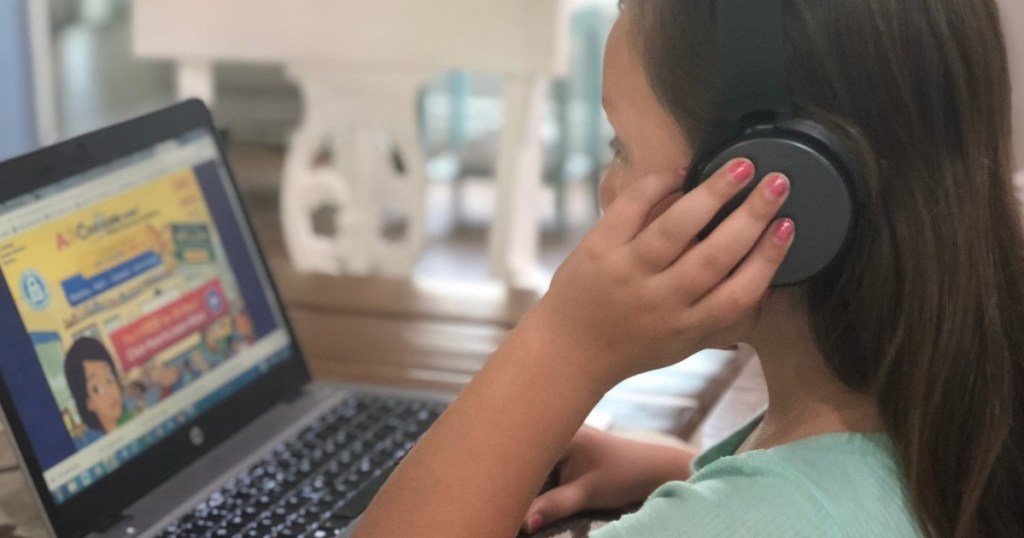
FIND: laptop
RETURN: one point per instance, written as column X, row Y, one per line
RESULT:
column 149, row 378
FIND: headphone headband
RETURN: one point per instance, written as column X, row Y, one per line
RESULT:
column 758, row 122
column 751, row 41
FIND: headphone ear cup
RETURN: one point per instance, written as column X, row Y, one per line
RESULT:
column 821, row 201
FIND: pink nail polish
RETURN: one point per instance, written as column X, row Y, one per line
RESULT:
column 535, row 522
column 778, row 186
column 783, row 231
column 741, row 171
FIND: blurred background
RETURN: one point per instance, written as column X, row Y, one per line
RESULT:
column 75, row 68
column 72, row 66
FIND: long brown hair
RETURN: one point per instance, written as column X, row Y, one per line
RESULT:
column 926, row 311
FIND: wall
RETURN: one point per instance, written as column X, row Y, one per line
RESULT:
column 17, row 109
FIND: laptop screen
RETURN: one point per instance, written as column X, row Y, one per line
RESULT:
column 133, row 301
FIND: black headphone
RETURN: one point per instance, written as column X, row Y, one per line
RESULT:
column 758, row 123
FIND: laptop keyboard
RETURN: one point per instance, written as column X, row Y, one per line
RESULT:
column 317, row 483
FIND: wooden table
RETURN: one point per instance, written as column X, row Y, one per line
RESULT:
column 397, row 332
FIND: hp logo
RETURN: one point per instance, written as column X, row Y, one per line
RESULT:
column 196, row 436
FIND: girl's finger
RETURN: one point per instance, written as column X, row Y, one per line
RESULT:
column 669, row 235
column 745, row 288
column 712, row 260
column 556, row 504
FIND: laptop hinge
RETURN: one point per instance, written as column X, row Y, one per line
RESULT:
column 111, row 522
column 295, row 394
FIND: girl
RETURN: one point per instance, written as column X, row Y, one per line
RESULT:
column 896, row 379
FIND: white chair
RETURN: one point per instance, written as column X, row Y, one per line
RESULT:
column 360, row 65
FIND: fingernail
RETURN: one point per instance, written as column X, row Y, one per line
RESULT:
column 783, row 231
column 535, row 522
column 741, row 171
column 778, row 186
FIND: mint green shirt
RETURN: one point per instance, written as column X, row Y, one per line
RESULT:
column 837, row 484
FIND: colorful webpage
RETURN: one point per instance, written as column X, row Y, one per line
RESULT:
column 133, row 307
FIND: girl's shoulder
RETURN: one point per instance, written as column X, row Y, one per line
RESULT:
column 842, row 484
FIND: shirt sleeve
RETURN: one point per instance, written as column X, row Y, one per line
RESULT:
column 729, row 499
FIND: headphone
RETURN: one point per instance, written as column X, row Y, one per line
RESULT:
column 759, row 124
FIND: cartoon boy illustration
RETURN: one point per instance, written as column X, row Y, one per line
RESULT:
column 96, row 387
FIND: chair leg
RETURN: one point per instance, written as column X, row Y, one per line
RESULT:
column 458, row 198
column 460, row 89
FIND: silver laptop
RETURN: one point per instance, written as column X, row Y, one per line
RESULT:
column 148, row 375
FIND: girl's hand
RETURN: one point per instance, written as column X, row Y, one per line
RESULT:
column 603, row 471
column 640, row 292
column 633, row 296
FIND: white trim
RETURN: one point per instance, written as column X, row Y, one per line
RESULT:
column 43, row 72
